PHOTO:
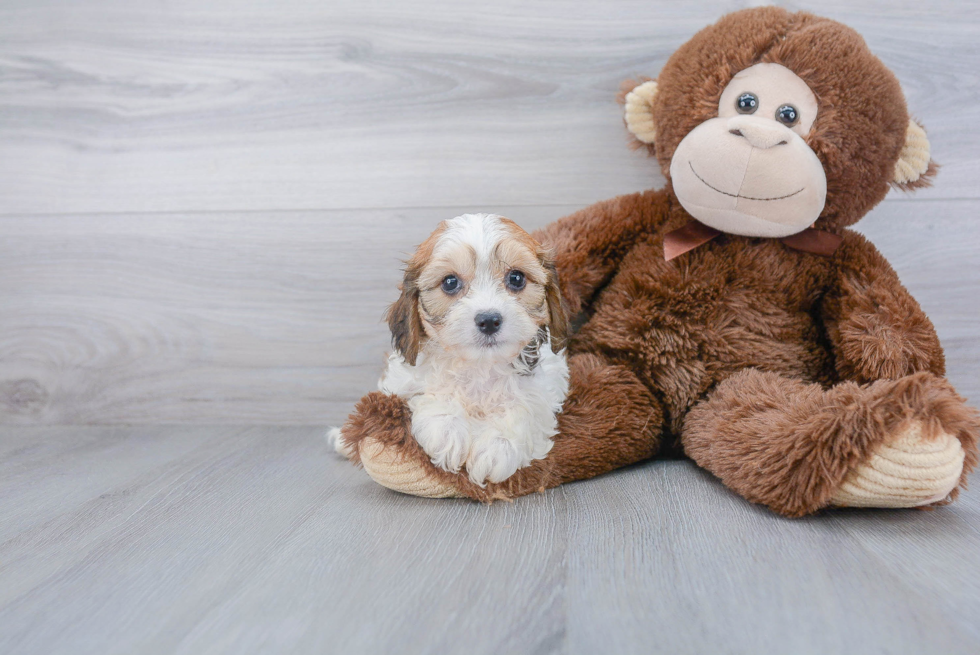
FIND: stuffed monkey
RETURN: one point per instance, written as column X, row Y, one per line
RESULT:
column 732, row 315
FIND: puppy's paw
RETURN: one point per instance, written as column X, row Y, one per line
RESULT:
column 335, row 441
column 445, row 438
column 493, row 459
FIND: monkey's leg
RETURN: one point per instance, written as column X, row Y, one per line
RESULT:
column 797, row 447
column 609, row 420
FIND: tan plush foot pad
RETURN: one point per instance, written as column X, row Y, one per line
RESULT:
column 910, row 472
column 389, row 470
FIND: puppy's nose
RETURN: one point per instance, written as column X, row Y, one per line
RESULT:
column 488, row 322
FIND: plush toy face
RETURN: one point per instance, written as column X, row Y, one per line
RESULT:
column 749, row 170
column 769, row 122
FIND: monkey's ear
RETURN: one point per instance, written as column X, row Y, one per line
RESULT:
column 914, row 168
column 557, row 312
column 404, row 321
column 639, row 110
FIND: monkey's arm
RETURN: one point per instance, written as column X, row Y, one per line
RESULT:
column 609, row 420
column 590, row 244
column 877, row 329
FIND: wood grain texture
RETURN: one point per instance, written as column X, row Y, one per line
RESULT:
column 202, row 204
column 260, row 317
column 120, row 106
column 276, row 317
column 259, row 540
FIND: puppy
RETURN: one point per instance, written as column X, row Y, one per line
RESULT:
column 478, row 336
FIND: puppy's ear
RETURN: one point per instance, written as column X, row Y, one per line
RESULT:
column 557, row 312
column 404, row 320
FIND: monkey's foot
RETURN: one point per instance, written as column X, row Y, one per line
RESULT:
column 911, row 471
column 390, row 469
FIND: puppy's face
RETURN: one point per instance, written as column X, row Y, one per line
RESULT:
column 481, row 287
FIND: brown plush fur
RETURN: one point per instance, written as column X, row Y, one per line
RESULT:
column 777, row 370
column 789, row 444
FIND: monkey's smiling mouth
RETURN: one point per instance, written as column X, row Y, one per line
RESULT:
column 735, row 195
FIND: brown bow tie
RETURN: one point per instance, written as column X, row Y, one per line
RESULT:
column 693, row 234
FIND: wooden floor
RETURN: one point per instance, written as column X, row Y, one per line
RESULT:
column 202, row 210
column 257, row 539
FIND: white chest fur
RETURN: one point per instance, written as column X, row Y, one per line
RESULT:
column 494, row 417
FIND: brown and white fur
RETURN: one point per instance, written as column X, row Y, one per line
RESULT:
column 479, row 359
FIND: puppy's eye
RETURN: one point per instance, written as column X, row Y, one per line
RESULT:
column 450, row 284
column 747, row 103
column 515, row 280
column 787, row 115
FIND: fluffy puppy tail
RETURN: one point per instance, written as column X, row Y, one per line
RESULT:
column 335, row 441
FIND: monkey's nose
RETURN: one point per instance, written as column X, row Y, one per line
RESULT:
column 759, row 132
column 488, row 322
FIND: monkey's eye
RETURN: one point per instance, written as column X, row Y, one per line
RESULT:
column 787, row 115
column 515, row 280
column 747, row 103
column 450, row 284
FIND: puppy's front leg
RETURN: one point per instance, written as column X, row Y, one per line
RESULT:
column 440, row 426
column 507, row 442
column 493, row 458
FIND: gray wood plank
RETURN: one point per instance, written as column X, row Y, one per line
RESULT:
column 113, row 106
column 672, row 562
column 266, row 542
column 276, row 317
column 259, row 540
column 197, row 318
column 94, row 481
